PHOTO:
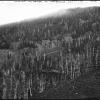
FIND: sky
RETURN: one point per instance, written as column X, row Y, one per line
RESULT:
column 11, row 11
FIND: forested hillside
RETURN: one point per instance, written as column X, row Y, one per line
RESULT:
column 78, row 22
column 39, row 54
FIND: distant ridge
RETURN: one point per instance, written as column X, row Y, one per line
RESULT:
column 59, row 13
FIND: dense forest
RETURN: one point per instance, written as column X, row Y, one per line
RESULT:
column 39, row 54
column 77, row 22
